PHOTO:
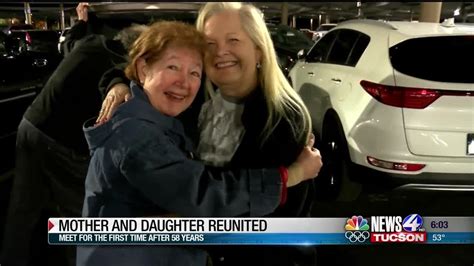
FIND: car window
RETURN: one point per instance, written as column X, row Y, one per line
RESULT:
column 358, row 49
column 288, row 38
column 435, row 58
column 321, row 48
column 342, row 47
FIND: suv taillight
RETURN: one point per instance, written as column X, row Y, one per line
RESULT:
column 408, row 167
column 416, row 98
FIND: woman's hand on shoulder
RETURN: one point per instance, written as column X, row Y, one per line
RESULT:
column 118, row 94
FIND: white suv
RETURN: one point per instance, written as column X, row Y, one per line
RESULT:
column 394, row 100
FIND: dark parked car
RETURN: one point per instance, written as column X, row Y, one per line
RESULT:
column 27, row 58
column 23, row 71
column 42, row 41
column 7, row 29
column 288, row 42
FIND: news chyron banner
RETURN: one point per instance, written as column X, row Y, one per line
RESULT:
column 355, row 230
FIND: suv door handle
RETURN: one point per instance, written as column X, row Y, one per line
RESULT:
column 336, row 80
column 311, row 74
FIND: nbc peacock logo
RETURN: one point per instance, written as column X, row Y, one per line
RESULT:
column 357, row 229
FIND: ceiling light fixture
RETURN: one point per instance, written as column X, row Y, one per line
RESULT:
column 152, row 7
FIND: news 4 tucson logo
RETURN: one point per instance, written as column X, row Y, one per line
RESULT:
column 395, row 229
column 357, row 229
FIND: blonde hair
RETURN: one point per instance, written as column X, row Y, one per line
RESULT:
column 151, row 44
column 281, row 99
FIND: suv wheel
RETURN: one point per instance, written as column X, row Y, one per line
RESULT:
column 334, row 181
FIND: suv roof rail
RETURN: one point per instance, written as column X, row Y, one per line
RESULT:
column 378, row 23
column 448, row 23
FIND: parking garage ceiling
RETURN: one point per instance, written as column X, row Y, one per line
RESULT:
column 338, row 11
column 334, row 11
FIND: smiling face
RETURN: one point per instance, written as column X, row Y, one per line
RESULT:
column 172, row 82
column 232, row 56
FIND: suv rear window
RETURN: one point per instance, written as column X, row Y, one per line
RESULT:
column 435, row 58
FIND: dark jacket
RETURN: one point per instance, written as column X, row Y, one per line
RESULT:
column 78, row 31
column 81, row 29
column 281, row 148
column 71, row 95
column 140, row 166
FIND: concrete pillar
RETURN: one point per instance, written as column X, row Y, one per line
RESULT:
column 294, row 22
column 28, row 17
column 430, row 11
column 327, row 19
column 62, row 23
column 284, row 13
column 359, row 9
column 320, row 19
column 463, row 12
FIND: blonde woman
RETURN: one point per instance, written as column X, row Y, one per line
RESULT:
column 254, row 117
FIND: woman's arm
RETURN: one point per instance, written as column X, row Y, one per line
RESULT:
column 113, row 76
column 78, row 31
column 162, row 172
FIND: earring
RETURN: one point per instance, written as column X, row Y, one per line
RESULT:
column 259, row 65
